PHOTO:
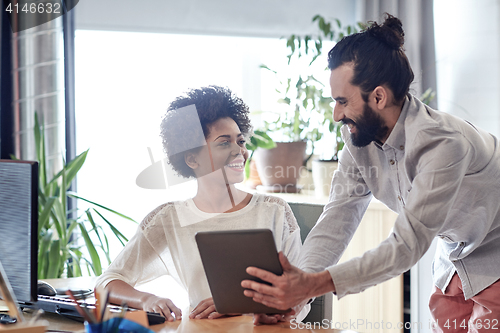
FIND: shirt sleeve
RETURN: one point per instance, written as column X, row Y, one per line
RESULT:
column 436, row 167
column 138, row 262
column 349, row 198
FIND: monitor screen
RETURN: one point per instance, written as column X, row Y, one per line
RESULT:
column 18, row 226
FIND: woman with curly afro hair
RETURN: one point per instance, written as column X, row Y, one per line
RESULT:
column 204, row 134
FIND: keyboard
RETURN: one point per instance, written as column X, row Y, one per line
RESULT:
column 67, row 308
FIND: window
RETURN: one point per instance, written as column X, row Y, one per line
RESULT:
column 124, row 83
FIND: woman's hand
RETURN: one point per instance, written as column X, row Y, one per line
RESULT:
column 206, row 309
column 163, row 306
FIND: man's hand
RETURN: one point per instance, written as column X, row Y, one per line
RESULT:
column 163, row 306
column 267, row 319
column 290, row 289
column 206, row 309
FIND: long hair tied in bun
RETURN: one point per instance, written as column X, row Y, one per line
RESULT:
column 378, row 58
column 390, row 32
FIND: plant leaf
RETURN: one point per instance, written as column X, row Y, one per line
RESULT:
column 306, row 43
column 90, row 218
column 75, row 269
column 59, row 218
column 55, row 259
column 74, row 166
column 117, row 233
column 261, row 139
column 70, row 169
column 71, row 227
column 62, row 198
column 43, row 248
column 269, row 69
column 74, row 195
column 247, row 166
column 40, row 152
column 94, row 256
column 45, row 214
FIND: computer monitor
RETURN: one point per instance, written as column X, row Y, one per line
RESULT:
column 19, row 226
column 19, row 240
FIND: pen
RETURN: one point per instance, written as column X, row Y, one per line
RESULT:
column 92, row 314
column 98, row 301
column 80, row 310
column 104, row 305
column 123, row 310
column 36, row 315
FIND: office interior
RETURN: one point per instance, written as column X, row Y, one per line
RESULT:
column 108, row 69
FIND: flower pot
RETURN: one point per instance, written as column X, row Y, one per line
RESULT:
column 279, row 168
column 322, row 173
column 254, row 179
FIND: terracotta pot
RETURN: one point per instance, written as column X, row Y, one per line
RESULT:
column 254, row 179
column 279, row 168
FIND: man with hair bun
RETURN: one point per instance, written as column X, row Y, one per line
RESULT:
column 440, row 173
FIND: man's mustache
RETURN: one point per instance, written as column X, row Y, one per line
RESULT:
column 347, row 121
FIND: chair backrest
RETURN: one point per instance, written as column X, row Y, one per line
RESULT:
column 307, row 215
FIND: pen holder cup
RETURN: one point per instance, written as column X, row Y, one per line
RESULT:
column 116, row 325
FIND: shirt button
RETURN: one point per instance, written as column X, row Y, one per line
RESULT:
column 392, row 162
column 462, row 244
column 402, row 147
column 399, row 197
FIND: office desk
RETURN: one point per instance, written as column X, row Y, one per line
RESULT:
column 237, row 324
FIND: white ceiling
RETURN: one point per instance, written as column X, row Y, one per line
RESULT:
column 262, row 18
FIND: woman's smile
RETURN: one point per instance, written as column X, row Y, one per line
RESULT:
column 238, row 164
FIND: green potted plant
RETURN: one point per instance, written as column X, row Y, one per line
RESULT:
column 309, row 113
column 259, row 139
column 61, row 252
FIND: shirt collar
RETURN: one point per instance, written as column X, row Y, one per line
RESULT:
column 396, row 139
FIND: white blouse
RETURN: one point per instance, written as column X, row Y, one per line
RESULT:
column 165, row 244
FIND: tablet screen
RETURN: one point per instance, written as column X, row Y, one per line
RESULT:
column 226, row 255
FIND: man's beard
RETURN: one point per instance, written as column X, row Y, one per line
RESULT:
column 369, row 127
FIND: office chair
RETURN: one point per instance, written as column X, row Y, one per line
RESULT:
column 307, row 215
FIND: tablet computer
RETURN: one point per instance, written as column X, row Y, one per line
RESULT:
column 226, row 255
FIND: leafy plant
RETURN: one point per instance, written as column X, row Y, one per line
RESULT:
column 60, row 250
column 310, row 113
column 428, row 96
column 260, row 139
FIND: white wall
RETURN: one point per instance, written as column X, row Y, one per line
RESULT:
column 468, row 60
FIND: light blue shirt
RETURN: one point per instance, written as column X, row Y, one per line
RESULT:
column 442, row 176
